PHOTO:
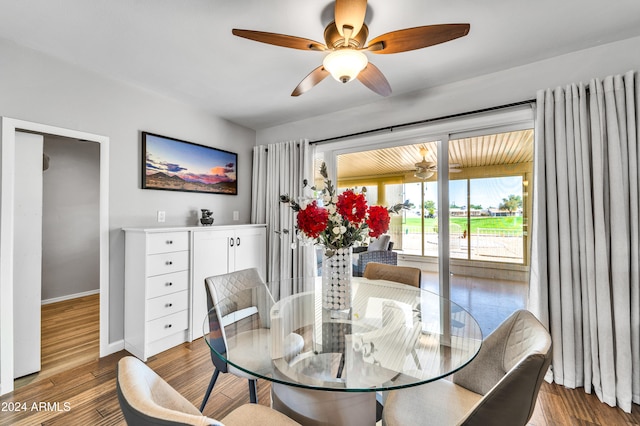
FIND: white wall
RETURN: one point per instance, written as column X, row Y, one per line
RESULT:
column 38, row 88
column 70, row 219
column 509, row 86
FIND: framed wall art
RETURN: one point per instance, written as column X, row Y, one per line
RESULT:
column 175, row 165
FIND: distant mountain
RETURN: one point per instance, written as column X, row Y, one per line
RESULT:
column 163, row 181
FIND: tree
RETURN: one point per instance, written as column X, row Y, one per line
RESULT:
column 511, row 203
column 476, row 206
column 430, row 208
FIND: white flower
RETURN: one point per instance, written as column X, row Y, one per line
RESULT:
column 326, row 198
column 334, row 200
column 304, row 202
column 343, row 229
column 336, row 230
column 331, row 208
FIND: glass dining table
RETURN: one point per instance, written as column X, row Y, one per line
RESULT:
column 333, row 367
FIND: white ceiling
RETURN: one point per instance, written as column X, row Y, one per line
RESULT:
column 185, row 49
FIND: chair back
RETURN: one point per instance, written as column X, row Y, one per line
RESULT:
column 229, row 293
column 508, row 371
column 399, row 274
column 146, row 399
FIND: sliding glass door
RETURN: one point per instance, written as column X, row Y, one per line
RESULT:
column 466, row 228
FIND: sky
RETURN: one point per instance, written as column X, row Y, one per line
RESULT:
column 189, row 161
column 487, row 192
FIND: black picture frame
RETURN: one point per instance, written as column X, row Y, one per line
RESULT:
column 171, row 164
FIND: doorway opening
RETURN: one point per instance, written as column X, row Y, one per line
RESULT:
column 8, row 199
column 70, row 289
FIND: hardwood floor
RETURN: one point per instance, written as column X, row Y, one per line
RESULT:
column 70, row 336
column 86, row 393
column 89, row 392
column 490, row 301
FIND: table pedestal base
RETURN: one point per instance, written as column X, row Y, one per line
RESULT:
column 326, row 408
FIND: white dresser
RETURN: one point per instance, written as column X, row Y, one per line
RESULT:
column 165, row 268
column 156, row 295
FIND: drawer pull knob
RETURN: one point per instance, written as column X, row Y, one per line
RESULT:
column 168, row 305
column 169, row 242
column 167, row 326
column 168, row 262
column 168, row 284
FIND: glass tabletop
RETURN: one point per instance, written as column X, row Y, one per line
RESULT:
column 394, row 336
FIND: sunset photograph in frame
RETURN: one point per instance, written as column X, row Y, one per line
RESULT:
column 175, row 165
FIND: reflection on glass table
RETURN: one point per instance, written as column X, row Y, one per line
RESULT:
column 326, row 366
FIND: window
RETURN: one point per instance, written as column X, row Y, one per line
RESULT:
column 488, row 199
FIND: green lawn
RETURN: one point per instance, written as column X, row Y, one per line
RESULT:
column 510, row 222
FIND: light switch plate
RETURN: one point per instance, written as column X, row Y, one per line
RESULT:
column 161, row 216
column 236, row 215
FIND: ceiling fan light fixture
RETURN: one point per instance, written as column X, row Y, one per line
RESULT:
column 345, row 64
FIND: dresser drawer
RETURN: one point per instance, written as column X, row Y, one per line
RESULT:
column 166, row 305
column 166, row 263
column 165, row 242
column 160, row 285
column 166, row 326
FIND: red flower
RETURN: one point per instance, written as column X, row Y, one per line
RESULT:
column 312, row 220
column 352, row 206
column 378, row 221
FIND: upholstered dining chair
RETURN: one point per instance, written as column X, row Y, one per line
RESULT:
column 399, row 274
column 231, row 294
column 146, row 399
column 499, row 387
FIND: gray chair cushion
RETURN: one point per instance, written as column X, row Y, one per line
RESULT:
column 380, row 243
column 146, row 399
column 505, row 375
column 255, row 414
column 447, row 404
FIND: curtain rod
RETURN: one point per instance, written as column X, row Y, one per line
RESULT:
column 428, row 120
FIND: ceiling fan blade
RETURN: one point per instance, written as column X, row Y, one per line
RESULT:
column 373, row 78
column 280, row 40
column 350, row 13
column 417, row 38
column 314, row 77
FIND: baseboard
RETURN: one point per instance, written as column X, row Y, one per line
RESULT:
column 113, row 347
column 70, row 296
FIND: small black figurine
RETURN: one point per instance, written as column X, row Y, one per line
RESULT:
column 207, row 219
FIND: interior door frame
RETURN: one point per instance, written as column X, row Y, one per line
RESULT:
column 8, row 128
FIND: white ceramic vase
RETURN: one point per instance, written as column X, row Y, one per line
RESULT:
column 336, row 280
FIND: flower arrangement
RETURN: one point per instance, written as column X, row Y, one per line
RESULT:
column 342, row 220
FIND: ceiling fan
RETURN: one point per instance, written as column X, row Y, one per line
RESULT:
column 346, row 38
column 425, row 169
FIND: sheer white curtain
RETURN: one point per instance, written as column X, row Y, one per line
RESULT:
column 585, row 274
column 280, row 169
